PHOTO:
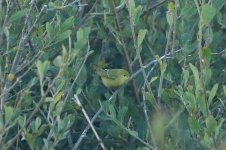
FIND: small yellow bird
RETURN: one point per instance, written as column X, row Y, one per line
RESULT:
column 113, row 78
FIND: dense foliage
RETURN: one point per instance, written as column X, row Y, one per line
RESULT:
column 52, row 98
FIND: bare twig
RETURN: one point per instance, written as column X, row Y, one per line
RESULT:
column 174, row 27
column 77, row 101
column 83, row 135
column 153, row 141
column 125, row 51
column 219, row 53
column 168, row 35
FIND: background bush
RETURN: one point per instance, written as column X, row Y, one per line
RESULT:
column 50, row 93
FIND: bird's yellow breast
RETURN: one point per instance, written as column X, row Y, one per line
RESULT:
column 112, row 83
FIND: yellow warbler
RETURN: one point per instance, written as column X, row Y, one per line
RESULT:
column 113, row 78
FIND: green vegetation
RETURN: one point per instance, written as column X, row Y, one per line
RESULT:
column 51, row 96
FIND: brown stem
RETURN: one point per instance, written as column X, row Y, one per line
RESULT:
column 125, row 52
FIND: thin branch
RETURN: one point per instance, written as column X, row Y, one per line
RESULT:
column 220, row 53
column 77, row 101
column 83, row 135
column 168, row 35
column 125, row 51
column 153, row 141
column 174, row 27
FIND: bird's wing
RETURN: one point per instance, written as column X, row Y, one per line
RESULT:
column 109, row 74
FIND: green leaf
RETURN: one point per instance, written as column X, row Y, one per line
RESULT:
column 82, row 77
column 150, row 97
column 207, row 76
column 58, row 108
column 188, row 12
column 218, row 128
column 158, row 59
column 32, row 82
column 21, row 120
column 224, row 89
column 169, row 18
column 73, row 53
column 82, row 37
column 211, row 124
column 112, row 111
column 163, row 68
column 207, row 56
column 30, row 138
column 42, row 68
column 58, row 61
column 162, row 64
column 131, row 8
column 185, row 75
column 62, row 36
column 153, row 79
column 16, row 115
column 60, row 83
column 60, row 125
column 218, row 4
column 194, row 124
column 105, row 105
column 137, row 13
column 18, row 15
column 207, row 14
column 213, row 93
column 6, row 32
column 1, row 121
column 206, row 141
column 141, row 36
column 196, row 78
column 42, row 129
column 67, row 24
column 202, row 103
column 174, row 70
column 50, row 31
column 208, row 35
column 38, row 122
column 82, row 34
column 8, row 113
column 121, row 113
column 190, row 99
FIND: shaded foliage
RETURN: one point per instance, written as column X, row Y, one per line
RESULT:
column 49, row 89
